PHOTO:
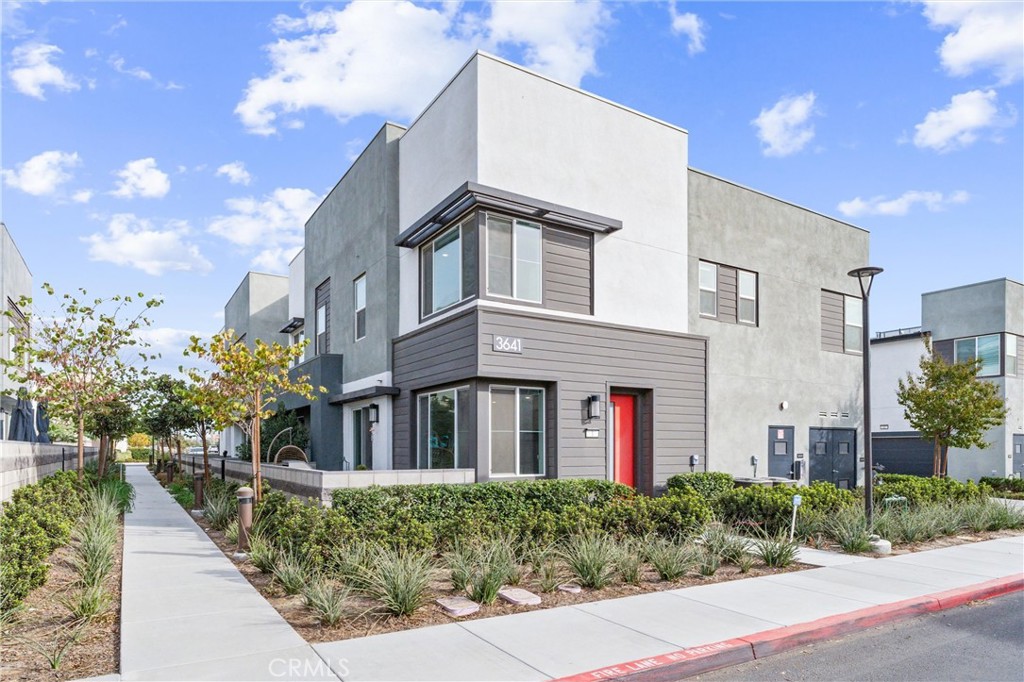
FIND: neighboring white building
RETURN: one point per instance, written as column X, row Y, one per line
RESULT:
column 983, row 320
column 15, row 282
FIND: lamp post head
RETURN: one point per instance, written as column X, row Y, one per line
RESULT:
column 866, row 273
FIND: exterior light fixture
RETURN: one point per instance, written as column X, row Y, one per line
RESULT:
column 865, row 277
column 373, row 413
column 594, row 407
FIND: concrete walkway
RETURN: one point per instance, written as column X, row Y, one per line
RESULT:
column 188, row 614
column 186, row 611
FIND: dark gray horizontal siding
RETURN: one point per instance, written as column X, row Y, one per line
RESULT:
column 832, row 335
column 727, row 294
column 443, row 352
column 587, row 358
column 568, row 270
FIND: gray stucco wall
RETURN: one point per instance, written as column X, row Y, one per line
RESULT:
column 259, row 308
column 352, row 232
column 15, row 282
column 754, row 370
column 572, row 359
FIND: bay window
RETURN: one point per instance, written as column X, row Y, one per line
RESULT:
column 448, row 267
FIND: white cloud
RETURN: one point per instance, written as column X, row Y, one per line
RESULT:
column 786, row 128
column 690, row 25
column 117, row 62
column 559, row 39
column 134, row 242
column 32, row 69
column 235, row 173
column 117, row 26
column 959, row 124
column 985, row 35
column 82, row 196
column 43, row 174
column 272, row 225
column 369, row 57
column 141, row 178
column 901, row 205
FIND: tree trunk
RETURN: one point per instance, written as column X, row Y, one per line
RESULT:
column 81, row 447
column 937, row 459
column 101, row 467
column 181, row 461
column 257, row 478
column 206, row 455
column 945, row 461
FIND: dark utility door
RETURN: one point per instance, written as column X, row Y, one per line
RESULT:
column 834, row 457
column 1018, row 454
column 780, row 451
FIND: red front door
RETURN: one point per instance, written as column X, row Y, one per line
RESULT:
column 625, row 438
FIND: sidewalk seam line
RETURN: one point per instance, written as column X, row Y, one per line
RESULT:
column 507, row 653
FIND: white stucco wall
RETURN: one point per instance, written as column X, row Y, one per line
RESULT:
column 548, row 141
column 297, row 285
column 890, row 362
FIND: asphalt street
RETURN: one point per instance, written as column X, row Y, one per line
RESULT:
column 979, row 641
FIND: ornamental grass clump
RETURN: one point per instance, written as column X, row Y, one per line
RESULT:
column 849, row 528
column 328, row 600
column 291, row 572
column 461, row 561
column 496, row 564
column 87, row 601
column 708, row 562
column 591, row 559
column 629, row 561
column 777, row 551
column 262, row 553
column 220, row 507
column 399, row 579
column 670, row 558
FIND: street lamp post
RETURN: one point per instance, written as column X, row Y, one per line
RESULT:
column 865, row 276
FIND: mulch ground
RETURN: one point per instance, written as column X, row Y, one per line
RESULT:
column 368, row 619
column 44, row 626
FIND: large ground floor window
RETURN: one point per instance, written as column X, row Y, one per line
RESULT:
column 517, row 431
column 444, row 438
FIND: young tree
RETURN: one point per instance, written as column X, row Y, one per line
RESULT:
column 113, row 421
column 250, row 381
column 73, row 360
column 167, row 414
column 950, row 405
column 206, row 401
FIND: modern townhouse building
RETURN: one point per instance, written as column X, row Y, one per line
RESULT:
column 530, row 281
column 982, row 321
column 15, row 282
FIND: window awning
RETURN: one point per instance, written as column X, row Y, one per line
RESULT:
column 472, row 195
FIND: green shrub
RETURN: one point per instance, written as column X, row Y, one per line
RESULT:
column 919, row 490
column 35, row 521
column 1003, row 485
column 706, row 484
column 182, row 494
column 771, row 508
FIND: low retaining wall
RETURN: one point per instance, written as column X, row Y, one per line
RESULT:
column 319, row 484
column 25, row 463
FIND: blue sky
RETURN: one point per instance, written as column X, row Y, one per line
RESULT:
column 170, row 147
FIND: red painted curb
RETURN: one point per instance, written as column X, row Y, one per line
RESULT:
column 705, row 658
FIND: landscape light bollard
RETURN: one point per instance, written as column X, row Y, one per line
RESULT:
column 245, row 498
column 197, row 487
column 865, row 276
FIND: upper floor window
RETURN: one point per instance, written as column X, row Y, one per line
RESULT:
column 448, row 267
column 853, row 324
column 359, row 305
column 1011, row 356
column 514, row 264
column 322, row 331
column 298, row 338
column 746, row 311
column 984, row 348
column 708, row 289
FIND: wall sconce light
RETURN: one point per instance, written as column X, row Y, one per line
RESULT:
column 594, row 407
column 373, row 413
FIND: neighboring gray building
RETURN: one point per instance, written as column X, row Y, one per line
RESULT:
column 256, row 310
column 529, row 281
column 15, row 282
column 984, row 321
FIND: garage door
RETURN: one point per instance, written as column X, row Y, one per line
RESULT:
column 902, row 453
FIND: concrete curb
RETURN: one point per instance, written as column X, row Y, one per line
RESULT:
column 705, row 658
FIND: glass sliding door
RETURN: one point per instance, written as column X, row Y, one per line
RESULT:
column 443, row 428
column 517, row 431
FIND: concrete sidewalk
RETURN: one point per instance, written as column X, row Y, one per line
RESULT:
column 186, row 611
column 672, row 634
